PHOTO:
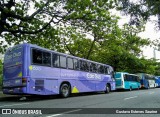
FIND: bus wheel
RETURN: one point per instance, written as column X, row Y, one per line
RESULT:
column 107, row 89
column 65, row 90
column 130, row 88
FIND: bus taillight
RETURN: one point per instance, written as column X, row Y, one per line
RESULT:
column 24, row 81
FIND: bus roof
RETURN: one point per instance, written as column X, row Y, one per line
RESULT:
column 123, row 72
column 127, row 73
column 144, row 74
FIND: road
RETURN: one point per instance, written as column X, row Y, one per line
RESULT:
column 78, row 103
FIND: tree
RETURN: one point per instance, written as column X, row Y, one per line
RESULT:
column 95, row 30
column 30, row 17
column 122, row 48
column 157, row 69
column 75, row 43
column 140, row 10
column 83, row 28
column 118, row 47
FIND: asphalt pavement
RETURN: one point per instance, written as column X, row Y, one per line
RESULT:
column 85, row 105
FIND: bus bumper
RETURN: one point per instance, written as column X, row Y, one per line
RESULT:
column 17, row 90
column 119, row 87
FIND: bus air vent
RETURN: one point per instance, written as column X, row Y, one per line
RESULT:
column 39, row 85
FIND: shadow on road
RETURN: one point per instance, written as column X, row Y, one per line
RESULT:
column 125, row 90
column 30, row 98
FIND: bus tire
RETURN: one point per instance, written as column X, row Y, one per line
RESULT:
column 107, row 88
column 65, row 90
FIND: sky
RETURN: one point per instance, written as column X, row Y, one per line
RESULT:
column 151, row 33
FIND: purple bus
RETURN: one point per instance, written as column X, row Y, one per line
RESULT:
column 30, row 69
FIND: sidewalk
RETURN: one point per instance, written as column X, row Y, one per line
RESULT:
column 1, row 94
column 4, row 97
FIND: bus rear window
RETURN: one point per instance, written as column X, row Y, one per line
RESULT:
column 41, row 58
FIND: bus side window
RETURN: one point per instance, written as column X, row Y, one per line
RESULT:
column 93, row 67
column 40, row 57
column 106, row 69
column 36, row 56
column 70, row 63
column 76, row 64
column 101, row 69
column 63, row 63
column 81, row 65
column 124, row 76
column 136, row 77
column 133, row 78
column 146, row 77
column 84, row 65
column 46, row 58
column 55, row 60
column 127, row 77
column 130, row 78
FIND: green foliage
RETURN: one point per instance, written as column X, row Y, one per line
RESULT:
column 140, row 10
column 157, row 69
column 82, row 28
column 118, row 47
column 19, row 24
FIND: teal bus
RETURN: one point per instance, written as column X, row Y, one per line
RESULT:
column 127, row 81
